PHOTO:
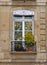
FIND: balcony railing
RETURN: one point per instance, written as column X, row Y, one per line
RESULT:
column 17, row 46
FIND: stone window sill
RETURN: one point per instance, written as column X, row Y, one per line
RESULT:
column 27, row 52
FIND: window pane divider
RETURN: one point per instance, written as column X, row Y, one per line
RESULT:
column 19, row 20
column 18, row 30
column 16, row 40
column 28, row 30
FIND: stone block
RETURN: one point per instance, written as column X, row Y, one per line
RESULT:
column 6, row 46
column 43, row 26
column 41, row 3
column 4, row 26
column 1, row 55
column 42, row 15
column 7, row 55
column 42, row 31
column 4, row 35
column 0, row 49
column 4, row 0
column 42, row 21
column 4, row 22
column 41, row 0
column 42, row 38
column 42, row 9
column 41, row 56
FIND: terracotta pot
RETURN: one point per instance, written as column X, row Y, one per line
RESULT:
column 30, row 48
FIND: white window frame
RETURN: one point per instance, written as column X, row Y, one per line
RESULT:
column 23, row 20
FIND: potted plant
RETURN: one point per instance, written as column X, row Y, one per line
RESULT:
column 18, row 47
column 29, row 40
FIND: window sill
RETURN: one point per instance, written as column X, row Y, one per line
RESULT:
column 22, row 52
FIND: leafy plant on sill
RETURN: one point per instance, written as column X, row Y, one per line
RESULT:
column 29, row 40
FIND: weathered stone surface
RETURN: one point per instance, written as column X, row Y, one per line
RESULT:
column 1, row 55
column 6, row 29
column 41, row 0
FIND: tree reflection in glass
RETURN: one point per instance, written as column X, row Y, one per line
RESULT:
column 18, row 35
column 28, row 25
column 18, row 25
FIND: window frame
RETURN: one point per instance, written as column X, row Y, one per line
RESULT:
column 23, row 20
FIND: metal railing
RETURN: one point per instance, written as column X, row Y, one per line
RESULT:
column 13, row 44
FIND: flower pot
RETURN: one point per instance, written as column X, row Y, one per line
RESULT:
column 30, row 49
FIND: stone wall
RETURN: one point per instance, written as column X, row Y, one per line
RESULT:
column 5, row 45
column 14, row 63
column 6, row 23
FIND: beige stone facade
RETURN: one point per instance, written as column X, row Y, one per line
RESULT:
column 6, row 24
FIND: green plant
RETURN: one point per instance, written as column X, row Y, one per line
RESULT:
column 18, row 47
column 29, row 39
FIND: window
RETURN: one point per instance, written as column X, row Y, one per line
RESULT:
column 23, row 31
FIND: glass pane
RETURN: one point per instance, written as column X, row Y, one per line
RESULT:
column 18, row 35
column 28, row 17
column 28, row 25
column 18, row 25
column 17, row 17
